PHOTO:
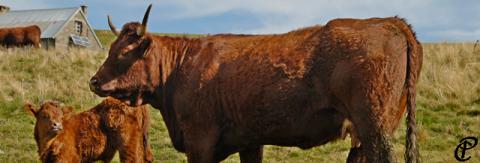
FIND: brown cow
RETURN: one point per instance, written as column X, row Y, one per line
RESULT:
column 223, row 94
column 20, row 36
column 92, row 135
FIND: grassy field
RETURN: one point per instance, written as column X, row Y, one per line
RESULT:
column 448, row 104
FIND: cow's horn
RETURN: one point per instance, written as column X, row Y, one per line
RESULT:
column 112, row 27
column 143, row 27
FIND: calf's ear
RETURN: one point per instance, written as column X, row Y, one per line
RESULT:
column 30, row 109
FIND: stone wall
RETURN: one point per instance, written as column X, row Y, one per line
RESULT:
column 63, row 38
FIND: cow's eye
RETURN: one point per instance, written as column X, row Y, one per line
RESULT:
column 122, row 54
column 127, row 52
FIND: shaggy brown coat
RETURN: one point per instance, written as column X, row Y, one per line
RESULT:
column 92, row 135
column 224, row 94
column 20, row 36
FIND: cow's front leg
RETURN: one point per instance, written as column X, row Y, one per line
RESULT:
column 252, row 154
column 200, row 144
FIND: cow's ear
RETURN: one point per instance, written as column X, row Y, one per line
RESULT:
column 145, row 46
column 30, row 109
column 67, row 110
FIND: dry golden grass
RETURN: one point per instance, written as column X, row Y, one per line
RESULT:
column 448, row 104
column 450, row 74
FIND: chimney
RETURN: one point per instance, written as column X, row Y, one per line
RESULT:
column 4, row 9
column 84, row 9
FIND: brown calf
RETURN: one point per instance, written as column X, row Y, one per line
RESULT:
column 92, row 135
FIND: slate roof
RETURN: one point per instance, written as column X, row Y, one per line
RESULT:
column 50, row 21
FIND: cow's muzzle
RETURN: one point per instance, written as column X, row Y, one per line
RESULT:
column 57, row 127
column 96, row 88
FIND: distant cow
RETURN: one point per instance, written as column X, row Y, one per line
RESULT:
column 92, row 135
column 20, row 36
column 223, row 94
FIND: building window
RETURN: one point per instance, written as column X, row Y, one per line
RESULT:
column 78, row 27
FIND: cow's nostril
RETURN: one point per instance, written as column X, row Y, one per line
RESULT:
column 94, row 81
column 57, row 125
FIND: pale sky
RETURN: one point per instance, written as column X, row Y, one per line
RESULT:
column 433, row 20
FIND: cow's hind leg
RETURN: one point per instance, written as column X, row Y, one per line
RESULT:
column 374, row 143
column 366, row 103
column 252, row 155
column 368, row 107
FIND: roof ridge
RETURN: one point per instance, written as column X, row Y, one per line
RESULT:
column 44, row 9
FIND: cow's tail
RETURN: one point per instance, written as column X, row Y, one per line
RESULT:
column 414, row 64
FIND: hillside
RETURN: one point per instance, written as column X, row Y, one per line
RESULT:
column 106, row 36
column 448, row 103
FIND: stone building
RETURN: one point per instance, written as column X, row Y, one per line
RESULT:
column 4, row 9
column 61, row 27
